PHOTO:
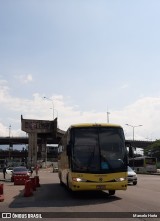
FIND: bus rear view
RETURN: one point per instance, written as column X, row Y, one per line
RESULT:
column 94, row 157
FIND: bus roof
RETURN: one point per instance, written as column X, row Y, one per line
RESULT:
column 94, row 125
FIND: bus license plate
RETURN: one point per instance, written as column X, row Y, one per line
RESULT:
column 101, row 187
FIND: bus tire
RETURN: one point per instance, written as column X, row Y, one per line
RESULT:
column 67, row 183
column 69, row 189
column 111, row 192
column 135, row 183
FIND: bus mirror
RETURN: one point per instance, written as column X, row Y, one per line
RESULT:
column 68, row 150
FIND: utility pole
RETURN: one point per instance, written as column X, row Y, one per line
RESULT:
column 9, row 131
column 108, row 113
column 52, row 104
column 10, row 143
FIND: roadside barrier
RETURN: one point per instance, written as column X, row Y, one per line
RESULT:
column 28, row 191
column 37, row 181
column 33, row 181
column 1, row 193
column 20, row 179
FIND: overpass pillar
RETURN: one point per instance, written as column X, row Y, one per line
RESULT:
column 32, row 150
column 37, row 128
column 44, row 151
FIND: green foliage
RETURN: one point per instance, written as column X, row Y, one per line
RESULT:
column 153, row 150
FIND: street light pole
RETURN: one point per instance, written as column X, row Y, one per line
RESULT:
column 9, row 130
column 54, row 111
column 133, row 128
column 52, row 104
column 9, row 151
column 108, row 117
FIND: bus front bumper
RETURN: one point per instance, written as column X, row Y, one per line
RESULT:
column 82, row 186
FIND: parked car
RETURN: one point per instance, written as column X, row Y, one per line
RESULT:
column 9, row 170
column 20, row 171
column 132, row 176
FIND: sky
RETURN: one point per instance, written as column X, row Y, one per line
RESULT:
column 87, row 57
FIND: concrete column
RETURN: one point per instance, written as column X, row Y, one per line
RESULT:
column 32, row 149
column 44, row 151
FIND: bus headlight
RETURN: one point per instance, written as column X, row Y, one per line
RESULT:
column 120, row 179
column 77, row 179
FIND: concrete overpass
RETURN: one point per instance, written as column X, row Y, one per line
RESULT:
column 43, row 132
column 55, row 140
column 140, row 143
column 25, row 140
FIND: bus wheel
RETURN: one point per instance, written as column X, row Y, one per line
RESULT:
column 111, row 192
column 68, row 185
column 134, row 183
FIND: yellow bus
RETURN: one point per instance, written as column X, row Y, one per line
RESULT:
column 93, row 157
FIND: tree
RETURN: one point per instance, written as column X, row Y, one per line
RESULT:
column 153, row 150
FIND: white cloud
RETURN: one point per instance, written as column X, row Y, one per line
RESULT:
column 144, row 111
column 24, row 78
column 124, row 86
column 4, row 90
column 4, row 131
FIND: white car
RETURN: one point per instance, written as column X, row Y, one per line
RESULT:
column 9, row 170
column 55, row 169
column 132, row 176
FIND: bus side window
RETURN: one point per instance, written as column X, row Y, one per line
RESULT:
column 68, row 150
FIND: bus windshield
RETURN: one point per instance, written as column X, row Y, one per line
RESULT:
column 98, row 150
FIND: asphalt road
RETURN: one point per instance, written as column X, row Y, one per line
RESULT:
column 52, row 198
